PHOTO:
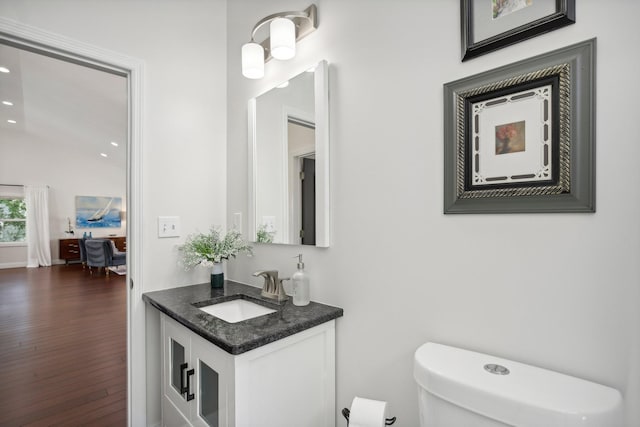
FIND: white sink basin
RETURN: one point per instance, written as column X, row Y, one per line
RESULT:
column 236, row 310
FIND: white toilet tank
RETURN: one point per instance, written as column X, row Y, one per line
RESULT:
column 461, row 388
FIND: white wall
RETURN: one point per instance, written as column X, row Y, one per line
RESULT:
column 559, row 291
column 28, row 159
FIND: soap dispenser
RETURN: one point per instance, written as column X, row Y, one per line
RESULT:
column 300, row 281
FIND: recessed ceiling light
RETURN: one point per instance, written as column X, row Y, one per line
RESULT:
column 103, row 154
column 283, row 85
column 9, row 103
column 12, row 121
column 115, row 144
column 4, row 70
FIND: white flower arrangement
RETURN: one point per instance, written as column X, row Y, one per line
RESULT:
column 207, row 249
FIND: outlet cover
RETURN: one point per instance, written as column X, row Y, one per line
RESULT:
column 269, row 223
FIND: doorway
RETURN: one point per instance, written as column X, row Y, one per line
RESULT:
column 67, row 49
column 308, row 196
column 301, row 189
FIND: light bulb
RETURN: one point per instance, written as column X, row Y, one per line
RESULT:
column 252, row 61
column 283, row 38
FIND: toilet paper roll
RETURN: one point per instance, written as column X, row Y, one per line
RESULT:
column 367, row 413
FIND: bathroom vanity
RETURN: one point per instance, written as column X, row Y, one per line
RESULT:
column 275, row 369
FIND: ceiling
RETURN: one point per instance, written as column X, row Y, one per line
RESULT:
column 74, row 107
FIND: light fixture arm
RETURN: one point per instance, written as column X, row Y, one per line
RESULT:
column 305, row 21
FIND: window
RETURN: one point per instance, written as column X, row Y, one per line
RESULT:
column 13, row 220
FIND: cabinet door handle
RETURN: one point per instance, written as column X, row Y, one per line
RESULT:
column 189, row 395
column 183, row 389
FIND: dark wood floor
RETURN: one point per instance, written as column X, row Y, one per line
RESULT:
column 62, row 347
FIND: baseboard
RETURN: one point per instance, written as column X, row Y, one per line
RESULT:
column 12, row 265
column 4, row 265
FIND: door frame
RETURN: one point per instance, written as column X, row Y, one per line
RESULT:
column 62, row 47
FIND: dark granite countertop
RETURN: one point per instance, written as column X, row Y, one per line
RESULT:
column 236, row 338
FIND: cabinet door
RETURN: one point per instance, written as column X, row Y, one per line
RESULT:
column 177, row 364
column 212, row 386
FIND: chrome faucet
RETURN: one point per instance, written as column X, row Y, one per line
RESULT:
column 272, row 287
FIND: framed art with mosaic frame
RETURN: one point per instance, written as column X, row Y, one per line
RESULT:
column 488, row 25
column 521, row 138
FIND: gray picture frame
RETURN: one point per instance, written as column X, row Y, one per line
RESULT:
column 576, row 131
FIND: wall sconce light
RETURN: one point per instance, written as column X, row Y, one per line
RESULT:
column 285, row 29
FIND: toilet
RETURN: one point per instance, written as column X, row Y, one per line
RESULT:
column 461, row 388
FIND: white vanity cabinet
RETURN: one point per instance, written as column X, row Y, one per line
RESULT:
column 289, row 382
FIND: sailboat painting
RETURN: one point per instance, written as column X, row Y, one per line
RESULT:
column 98, row 212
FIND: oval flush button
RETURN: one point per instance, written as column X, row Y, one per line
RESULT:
column 496, row 369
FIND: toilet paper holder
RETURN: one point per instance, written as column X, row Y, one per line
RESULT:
column 346, row 412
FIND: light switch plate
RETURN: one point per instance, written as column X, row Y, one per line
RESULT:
column 237, row 221
column 168, row 226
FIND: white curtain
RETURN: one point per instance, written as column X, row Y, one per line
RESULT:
column 39, row 246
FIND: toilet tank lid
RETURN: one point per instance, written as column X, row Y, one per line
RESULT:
column 526, row 396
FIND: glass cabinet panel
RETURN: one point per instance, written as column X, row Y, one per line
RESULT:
column 208, row 395
column 177, row 359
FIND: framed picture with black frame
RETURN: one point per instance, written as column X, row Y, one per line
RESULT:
column 521, row 138
column 487, row 25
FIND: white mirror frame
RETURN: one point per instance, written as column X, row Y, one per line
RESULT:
column 323, row 211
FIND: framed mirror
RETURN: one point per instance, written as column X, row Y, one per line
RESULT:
column 289, row 161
